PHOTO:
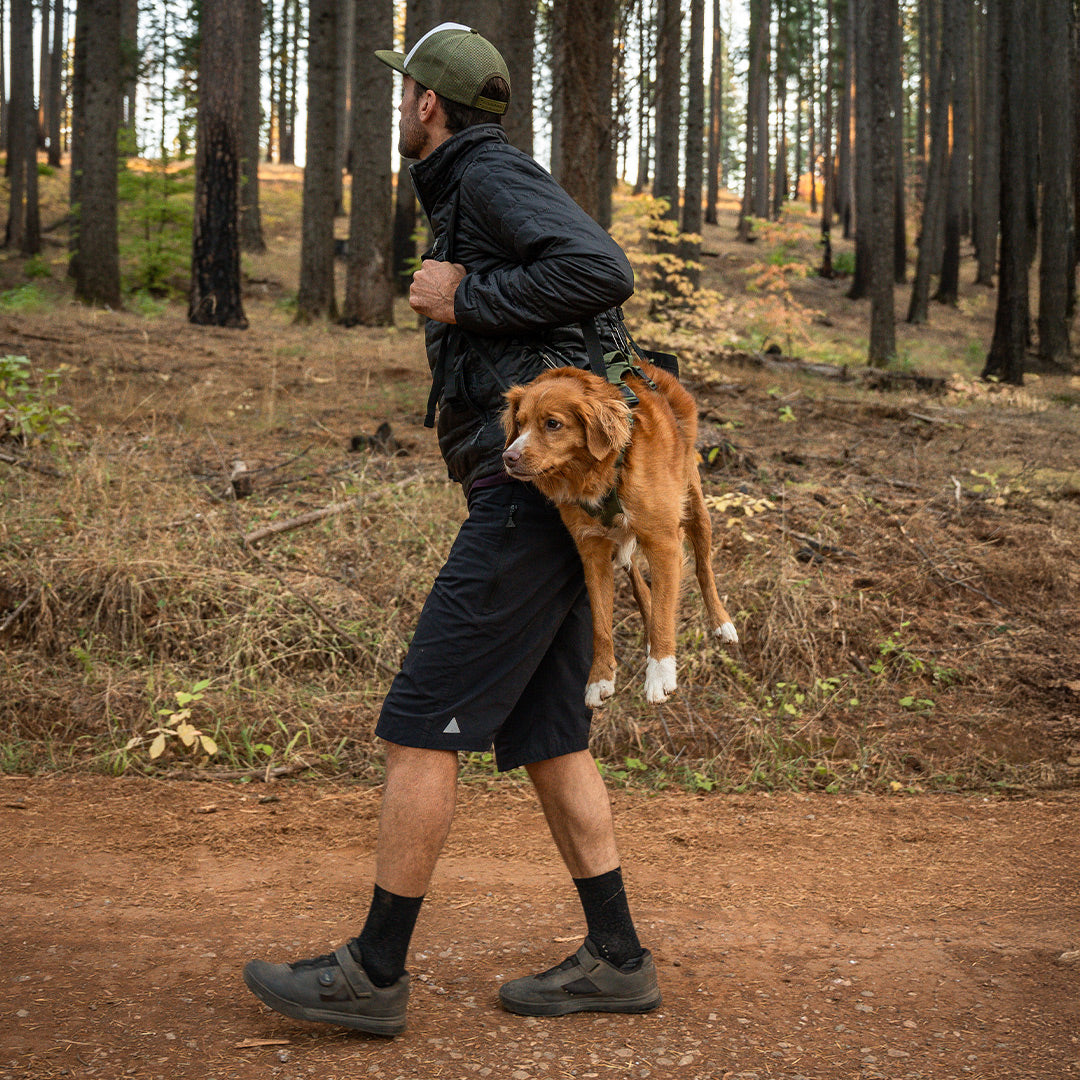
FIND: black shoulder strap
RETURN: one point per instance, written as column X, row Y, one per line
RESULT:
column 594, row 348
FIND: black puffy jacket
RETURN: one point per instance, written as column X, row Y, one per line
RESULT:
column 537, row 265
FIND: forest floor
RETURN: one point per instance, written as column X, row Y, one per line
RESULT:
column 851, row 842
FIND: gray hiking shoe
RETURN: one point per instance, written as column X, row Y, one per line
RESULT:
column 584, row 982
column 332, row 989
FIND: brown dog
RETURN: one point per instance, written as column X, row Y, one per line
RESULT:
column 572, row 435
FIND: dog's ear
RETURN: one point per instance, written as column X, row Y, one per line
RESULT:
column 607, row 426
column 509, row 416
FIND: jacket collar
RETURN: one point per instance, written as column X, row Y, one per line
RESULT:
column 435, row 178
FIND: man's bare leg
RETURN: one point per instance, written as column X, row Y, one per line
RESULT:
column 578, row 812
column 417, row 809
column 610, row 972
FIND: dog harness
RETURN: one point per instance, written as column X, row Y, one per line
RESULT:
column 615, row 367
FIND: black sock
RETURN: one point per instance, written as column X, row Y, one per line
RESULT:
column 607, row 915
column 383, row 944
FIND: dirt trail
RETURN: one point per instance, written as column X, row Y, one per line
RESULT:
column 817, row 937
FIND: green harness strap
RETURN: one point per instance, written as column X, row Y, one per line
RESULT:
column 617, row 366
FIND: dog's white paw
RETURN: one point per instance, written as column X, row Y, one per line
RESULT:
column 659, row 679
column 727, row 632
column 596, row 693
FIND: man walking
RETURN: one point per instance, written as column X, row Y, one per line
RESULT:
column 502, row 649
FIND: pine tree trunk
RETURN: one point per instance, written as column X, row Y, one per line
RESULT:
column 24, row 223
column 1056, row 154
column 845, row 178
column 934, row 203
column 55, row 91
column 251, row 234
column 43, row 76
column 865, row 239
column 829, row 192
column 342, row 91
column 881, row 34
column 1005, row 361
column 646, row 48
column 693, row 170
column 215, row 265
column 955, row 38
column 129, row 66
column 584, row 61
column 272, row 120
column 515, row 42
column 761, row 122
column 315, row 298
column 97, row 264
column 668, row 104
column 899, row 207
column 716, row 117
column 811, row 133
column 369, row 290
column 782, row 52
column 986, row 214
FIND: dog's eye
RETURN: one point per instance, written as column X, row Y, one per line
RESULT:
column 553, row 424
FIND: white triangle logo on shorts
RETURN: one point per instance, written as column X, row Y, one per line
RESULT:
column 452, row 728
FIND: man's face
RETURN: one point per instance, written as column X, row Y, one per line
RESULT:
column 412, row 136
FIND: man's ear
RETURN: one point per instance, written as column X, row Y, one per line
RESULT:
column 426, row 105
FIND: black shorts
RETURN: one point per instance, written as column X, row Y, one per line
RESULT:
column 502, row 650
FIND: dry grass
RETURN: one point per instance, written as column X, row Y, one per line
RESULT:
column 904, row 585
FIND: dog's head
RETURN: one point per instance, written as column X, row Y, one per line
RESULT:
column 563, row 424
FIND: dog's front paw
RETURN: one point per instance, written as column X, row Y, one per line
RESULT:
column 727, row 632
column 596, row 693
column 659, row 679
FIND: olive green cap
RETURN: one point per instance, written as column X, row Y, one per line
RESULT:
column 455, row 62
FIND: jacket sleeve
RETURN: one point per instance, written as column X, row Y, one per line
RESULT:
column 561, row 266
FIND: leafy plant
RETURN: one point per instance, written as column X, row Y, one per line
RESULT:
column 177, row 725
column 28, row 409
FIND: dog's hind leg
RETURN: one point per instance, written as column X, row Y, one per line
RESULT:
column 699, row 529
column 642, row 596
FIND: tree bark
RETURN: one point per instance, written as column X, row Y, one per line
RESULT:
column 129, row 67
column 1056, row 153
column 55, row 91
column 515, row 42
column 97, row 262
column 896, row 66
column 24, row 223
column 783, row 51
column 693, row 170
column 845, row 18
column 1005, row 361
column 716, row 117
column 761, row 178
column 584, row 60
column 865, row 240
column 987, row 208
column 215, row 264
column 369, row 291
column 883, row 16
column 829, row 174
column 646, row 92
column 934, row 201
column 668, row 104
column 251, row 233
column 955, row 37
column 315, row 298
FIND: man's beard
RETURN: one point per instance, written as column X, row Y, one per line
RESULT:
column 411, row 137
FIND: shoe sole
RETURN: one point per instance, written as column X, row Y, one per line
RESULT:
column 373, row 1025
column 583, row 1004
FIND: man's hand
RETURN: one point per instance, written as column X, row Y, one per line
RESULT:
column 432, row 290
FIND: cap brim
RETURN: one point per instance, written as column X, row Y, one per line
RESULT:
column 392, row 59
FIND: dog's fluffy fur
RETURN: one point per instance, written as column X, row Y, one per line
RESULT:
column 564, row 434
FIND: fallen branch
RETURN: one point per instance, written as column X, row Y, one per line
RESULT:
column 297, row 522
column 871, row 378
column 14, row 615
column 22, row 463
